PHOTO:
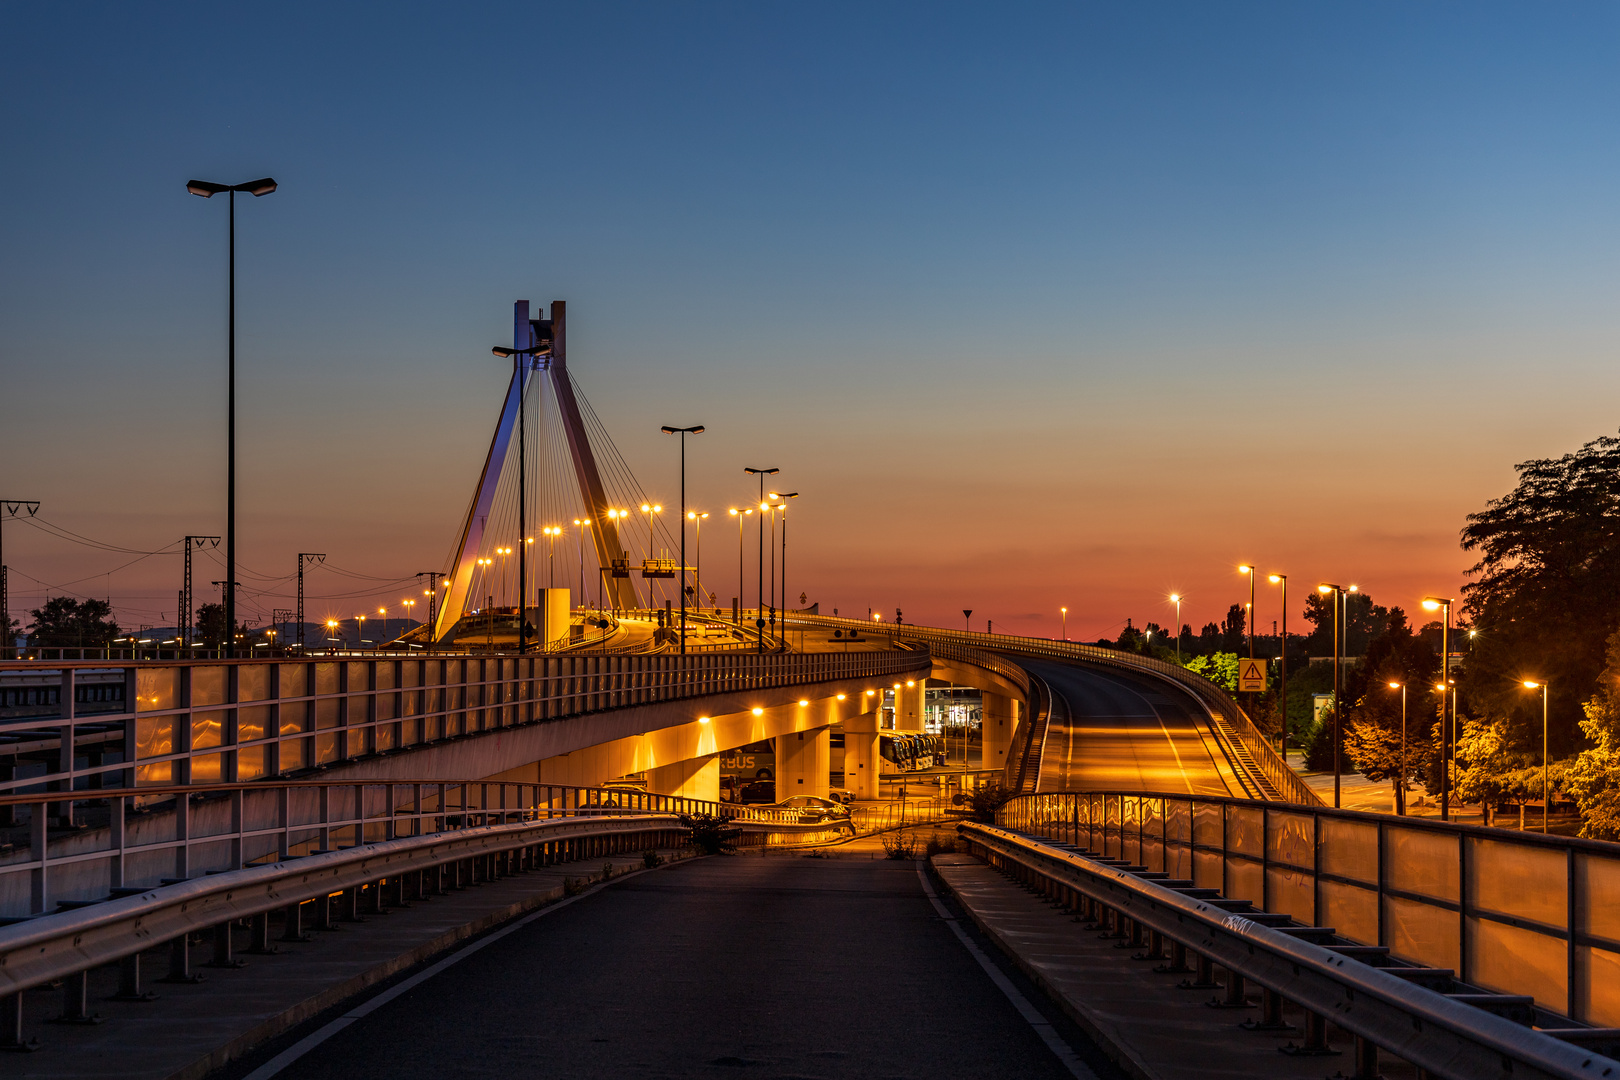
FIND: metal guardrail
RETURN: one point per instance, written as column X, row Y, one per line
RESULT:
column 177, row 832
column 1229, row 723
column 1442, row 1036
column 1515, row 912
column 236, row 720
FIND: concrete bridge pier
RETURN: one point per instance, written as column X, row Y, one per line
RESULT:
column 695, row 778
column 908, row 705
column 803, row 763
column 1000, row 721
column 863, row 760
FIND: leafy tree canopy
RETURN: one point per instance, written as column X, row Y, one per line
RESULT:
column 1546, row 589
column 70, row 623
column 211, row 625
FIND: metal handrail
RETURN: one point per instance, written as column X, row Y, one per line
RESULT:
column 1444, row 1037
column 49, row 948
column 1232, row 724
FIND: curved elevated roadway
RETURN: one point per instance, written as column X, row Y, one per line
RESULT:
column 1113, row 730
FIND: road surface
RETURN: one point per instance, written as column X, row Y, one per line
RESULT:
column 1123, row 732
column 777, row 966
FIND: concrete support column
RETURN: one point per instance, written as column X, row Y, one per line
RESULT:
column 695, row 778
column 908, row 706
column 1000, row 721
column 803, row 762
column 863, row 762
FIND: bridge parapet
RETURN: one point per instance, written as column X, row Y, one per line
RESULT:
column 1246, row 746
column 158, row 723
column 1513, row 912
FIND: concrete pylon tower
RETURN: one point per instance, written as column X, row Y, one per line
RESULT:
column 549, row 338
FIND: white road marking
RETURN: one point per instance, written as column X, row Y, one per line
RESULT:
column 1054, row 1042
column 370, row 1005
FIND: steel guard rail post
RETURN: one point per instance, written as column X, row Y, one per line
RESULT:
column 1446, row 1038
column 1212, row 697
column 43, row 950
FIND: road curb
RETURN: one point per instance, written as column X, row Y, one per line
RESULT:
column 356, row 985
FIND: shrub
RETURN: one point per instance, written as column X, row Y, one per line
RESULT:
column 650, row 859
column 710, row 834
column 987, row 799
column 900, row 846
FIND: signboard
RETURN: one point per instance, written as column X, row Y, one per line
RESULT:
column 1251, row 676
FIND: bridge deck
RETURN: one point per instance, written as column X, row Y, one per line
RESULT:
column 1124, row 732
column 773, row 966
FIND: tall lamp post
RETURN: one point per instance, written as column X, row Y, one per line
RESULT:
column 1282, row 682
column 759, row 593
column 1249, row 611
column 1400, row 784
column 1338, row 670
column 1439, row 603
column 1063, row 616
column 782, row 498
column 683, row 432
column 1546, row 774
column 697, row 574
column 1175, row 598
column 739, row 515
column 208, row 189
column 517, row 356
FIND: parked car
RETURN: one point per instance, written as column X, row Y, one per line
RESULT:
column 813, row 808
column 758, row 791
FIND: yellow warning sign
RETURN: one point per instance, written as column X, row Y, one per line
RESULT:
column 1251, row 676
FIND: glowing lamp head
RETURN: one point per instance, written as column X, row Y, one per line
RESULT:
column 758, row 711
column 1274, row 578
column 1245, row 569
column 703, row 719
column 1175, row 598
column 840, row 697
column 1324, row 589
column 803, row 702
column 1431, row 605
column 1532, row 685
column 1394, row 686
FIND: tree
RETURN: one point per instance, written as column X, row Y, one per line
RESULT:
column 68, row 623
column 211, row 625
column 1546, row 593
column 1232, row 631
column 1593, row 777
column 1219, row 668
column 1374, row 741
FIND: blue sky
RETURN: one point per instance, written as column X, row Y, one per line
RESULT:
column 1038, row 305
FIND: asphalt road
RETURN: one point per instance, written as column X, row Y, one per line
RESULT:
column 1123, row 733
column 739, row 967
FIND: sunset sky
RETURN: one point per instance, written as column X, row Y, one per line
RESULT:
column 1074, row 305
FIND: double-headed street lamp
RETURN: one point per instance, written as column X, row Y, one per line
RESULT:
column 740, row 515
column 1339, row 594
column 683, row 432
column 208, row 189
column 1439, row 603
column 1546, row 775
column 1400, row 786
column 1282, row 659
column 1249, row 611
column 517, row 356
column 759, row 593
column 782, row 498
column 696, row 518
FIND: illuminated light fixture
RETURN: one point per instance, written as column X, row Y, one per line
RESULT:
column 703, row 719
column 1532, row 685
column 1394, row 686
column 840, row 697
column 911, row 682
column 758, row 711
column 803, row 702
column 871, row 691
column 1275, row 578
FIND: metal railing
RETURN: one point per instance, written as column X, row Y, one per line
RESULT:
column 1517, row 913
column 184, row 722
column 1442, row 1036
column 172, row 833
column 1246, row 747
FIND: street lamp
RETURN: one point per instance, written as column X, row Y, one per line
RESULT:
column 1175, row 598
column 683, row 432
column 583, row 523
column 517, row 356
column 782, row 497
column 1338, row 667
column 360, row 642
column 1546, row 781
column 1249, row 611
column 759, row 593
column 1438, row 603
column 1063, row 615
column 697, row 574
column 1400, row 787
column 739, row 515
column 208, row 189
column 1282, row 681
